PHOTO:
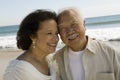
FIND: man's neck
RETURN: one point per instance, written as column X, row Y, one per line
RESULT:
column 80, row 46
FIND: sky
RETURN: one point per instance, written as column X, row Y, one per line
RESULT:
column 12, row 12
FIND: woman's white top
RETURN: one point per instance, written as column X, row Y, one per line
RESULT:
column 23, row 70
column 76, row 65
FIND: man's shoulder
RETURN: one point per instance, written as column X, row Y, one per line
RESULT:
column 99, row 43
column 104, row 46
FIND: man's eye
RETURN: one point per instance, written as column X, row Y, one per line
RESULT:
column 63, row 30
column 49, row 33
column 74, row 24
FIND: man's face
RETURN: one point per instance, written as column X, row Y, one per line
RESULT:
column 72, row 29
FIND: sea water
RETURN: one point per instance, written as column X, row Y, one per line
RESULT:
column 103, row 28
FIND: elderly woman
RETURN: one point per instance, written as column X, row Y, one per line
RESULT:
column 38, row 37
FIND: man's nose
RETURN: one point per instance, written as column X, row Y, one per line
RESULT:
column 70, row 30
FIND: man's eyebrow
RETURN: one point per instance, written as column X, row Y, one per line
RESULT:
column 74, row 21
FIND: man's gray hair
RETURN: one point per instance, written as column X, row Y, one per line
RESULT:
column 69, row 9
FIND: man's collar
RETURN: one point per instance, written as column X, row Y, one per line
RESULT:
column 90, row 45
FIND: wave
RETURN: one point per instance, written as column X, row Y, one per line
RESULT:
column 105, row 34
column 8, row 42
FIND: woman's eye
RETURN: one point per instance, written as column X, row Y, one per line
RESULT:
column 57, row 33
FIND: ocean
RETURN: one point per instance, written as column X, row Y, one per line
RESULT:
column 106, row 28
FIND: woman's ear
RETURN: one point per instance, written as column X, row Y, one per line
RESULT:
column 33, row 41
column 32, row 37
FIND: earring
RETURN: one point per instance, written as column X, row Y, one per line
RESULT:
column 33, row 44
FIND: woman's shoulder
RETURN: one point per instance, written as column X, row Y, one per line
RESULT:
column 16, row 66
column 13, row 70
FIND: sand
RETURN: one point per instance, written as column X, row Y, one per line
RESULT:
column 5, row 57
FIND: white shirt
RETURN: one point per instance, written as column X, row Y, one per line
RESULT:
column 23, row 70
column 76, row 65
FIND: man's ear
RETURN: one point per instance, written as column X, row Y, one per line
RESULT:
column 84, row 24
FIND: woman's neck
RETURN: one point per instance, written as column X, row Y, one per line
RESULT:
column 37, row 59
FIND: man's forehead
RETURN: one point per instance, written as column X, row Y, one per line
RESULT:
column 67, row 22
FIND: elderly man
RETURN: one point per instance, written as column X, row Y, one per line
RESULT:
column 83, row 58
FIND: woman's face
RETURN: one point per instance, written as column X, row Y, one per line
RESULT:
column 47, row 37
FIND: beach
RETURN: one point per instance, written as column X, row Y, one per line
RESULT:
column 7, row 55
